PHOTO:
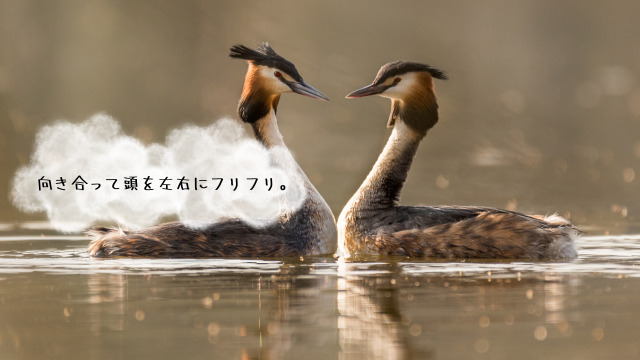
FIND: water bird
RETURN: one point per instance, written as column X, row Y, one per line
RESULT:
column 309, row 230
column 373, row 223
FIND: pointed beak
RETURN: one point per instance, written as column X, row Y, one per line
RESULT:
column 303, row 88
column 367, row 91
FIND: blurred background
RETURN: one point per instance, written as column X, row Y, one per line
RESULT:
column 542, row 112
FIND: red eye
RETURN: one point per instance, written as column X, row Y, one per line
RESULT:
column 396, row 80
column 277, row 74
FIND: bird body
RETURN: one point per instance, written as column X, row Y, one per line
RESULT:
column 373, row 223
column 308, row 230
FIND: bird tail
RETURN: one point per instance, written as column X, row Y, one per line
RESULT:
column 104, row 240
column 563, row 245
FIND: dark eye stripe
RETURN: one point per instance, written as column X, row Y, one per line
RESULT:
column 402, row 67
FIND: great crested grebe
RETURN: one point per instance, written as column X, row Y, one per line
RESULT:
column 309, row 230
column 373, row 223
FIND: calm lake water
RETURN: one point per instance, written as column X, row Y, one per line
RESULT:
column 57, row 302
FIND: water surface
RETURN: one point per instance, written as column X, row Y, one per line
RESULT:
column 56, row 302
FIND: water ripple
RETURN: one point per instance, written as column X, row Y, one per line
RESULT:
column 611, row 256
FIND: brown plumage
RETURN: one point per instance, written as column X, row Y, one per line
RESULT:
column 373, row 223
column 309, row 230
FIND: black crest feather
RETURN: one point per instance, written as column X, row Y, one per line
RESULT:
column 266, row 56
column 402, row 67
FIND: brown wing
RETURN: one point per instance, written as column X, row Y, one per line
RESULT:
column 473, row 232
column 232, row 238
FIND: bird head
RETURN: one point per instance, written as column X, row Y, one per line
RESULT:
column 268, row 76
column 409, row 85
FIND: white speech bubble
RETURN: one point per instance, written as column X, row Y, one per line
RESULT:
column 98, row 150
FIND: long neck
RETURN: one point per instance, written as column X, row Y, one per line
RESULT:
column 313, row 220
column 266, row 130
column 411, row 118
column 381, row 189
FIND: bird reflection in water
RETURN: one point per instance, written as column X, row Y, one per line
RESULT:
column 370, row 323
column 107, row 295
column 372, row 310
column 388, row 312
